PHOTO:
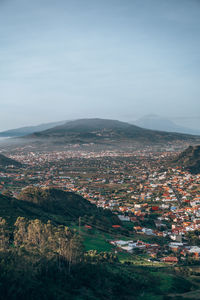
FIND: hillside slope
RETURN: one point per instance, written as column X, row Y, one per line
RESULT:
column 18, row 132
column 190, row 159
column 5, row 161
column 58, row 206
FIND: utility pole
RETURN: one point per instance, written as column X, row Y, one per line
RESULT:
column 79, row 224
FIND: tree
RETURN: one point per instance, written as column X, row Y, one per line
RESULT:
column 4, row 235
column 20, row 232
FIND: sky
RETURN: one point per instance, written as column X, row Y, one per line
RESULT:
column 119, row 59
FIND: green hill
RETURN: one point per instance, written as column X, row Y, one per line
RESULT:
column 58, row 206
column 5, row 161
column 189, row 159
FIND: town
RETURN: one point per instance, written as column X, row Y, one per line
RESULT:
column 158, row 205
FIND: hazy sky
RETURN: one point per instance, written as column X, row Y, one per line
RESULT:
column 108, row 58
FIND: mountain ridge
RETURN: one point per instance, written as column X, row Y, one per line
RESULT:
column 155, row 122
column 104, row 130
column 22, row 131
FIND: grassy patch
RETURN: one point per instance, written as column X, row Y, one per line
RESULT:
column 95, row 240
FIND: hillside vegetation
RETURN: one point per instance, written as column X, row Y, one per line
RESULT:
column 58, row 206
column 5, row 161
column 189, row 159
column 43, row 257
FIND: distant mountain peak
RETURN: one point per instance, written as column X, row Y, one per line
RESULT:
column 156, row 122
